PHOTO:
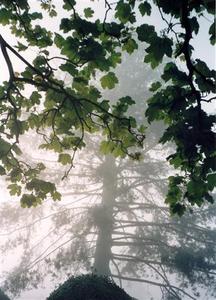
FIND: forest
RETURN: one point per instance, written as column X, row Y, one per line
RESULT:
column 107, row 150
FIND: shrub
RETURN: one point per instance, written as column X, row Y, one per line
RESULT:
column 89, row 287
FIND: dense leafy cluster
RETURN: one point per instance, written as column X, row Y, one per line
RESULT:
column 88, row 48
column 88, row 287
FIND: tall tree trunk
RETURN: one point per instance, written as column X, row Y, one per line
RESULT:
column 105, row 226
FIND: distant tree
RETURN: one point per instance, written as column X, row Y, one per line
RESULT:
column 117, row 227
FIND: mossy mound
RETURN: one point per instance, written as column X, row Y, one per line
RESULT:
column 3, row 296
column 89, row 287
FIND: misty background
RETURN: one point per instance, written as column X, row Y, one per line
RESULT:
column 112, row 217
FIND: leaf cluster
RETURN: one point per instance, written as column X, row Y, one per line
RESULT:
column 87, row 46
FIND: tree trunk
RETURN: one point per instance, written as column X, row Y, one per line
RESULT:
column 105, row 226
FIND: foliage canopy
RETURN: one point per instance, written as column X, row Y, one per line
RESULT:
column 88, row 48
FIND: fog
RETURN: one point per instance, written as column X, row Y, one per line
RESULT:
column 112, row 217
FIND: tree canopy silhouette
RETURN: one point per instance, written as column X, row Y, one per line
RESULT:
column 89, row 287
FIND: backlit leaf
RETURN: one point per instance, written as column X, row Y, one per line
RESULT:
column 109, row 81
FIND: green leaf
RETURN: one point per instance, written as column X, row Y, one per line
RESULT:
column 59, row 40
column 146, row 33
column 64, row 158
column 105, row 104
column 133, row 122
column 175, row 160
column 171, row 72
column 211, row 178
column 196, row 187
column 27, row 73
column 29, row 200
column 69, row 5
column 52, row 13
column 109, row 81
column 88, row 12
column 150, row 58
column 127, row 100
column 130, row 46
column 157, row 49
column 142, row 128
column 70, row 68
column 40, row 187
column 194, row 24
column 14, row 189
column 107, row 147
column 5, row 16
column 15, row 175
column 155, row 86
column 114, row 59
column 35, row 97
column 118, row 152
column 166, row 46
column 145, row 8
column 33, row 121
column 104, row 147
column 4, row 147
column 212, row 33
column 177, row 209
column 203, row 68
column 174, row 195
column 123, row 11
column 2, row 171
column 56, row 145
column 21, row 47
column 56, row 196
column 36, row 15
